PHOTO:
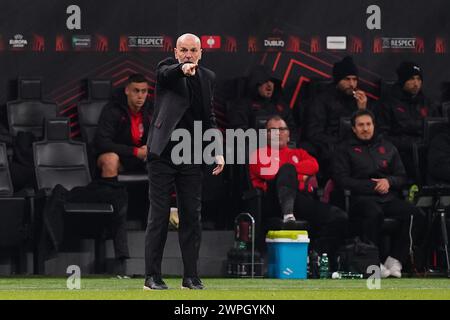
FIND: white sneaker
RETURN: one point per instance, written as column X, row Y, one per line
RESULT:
column 384, row 271
column 396, row 273
column 288, row 217
column 394, row 266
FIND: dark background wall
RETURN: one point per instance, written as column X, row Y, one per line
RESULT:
column 242, row 26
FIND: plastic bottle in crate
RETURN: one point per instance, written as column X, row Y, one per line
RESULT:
column 324, row 268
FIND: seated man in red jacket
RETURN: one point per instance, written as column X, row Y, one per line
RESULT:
column 122, row 130
column 284, row 174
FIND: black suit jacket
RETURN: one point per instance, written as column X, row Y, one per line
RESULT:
column 172, row 101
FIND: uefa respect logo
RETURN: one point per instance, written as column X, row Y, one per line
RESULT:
column 145, row 41
column 241, row 144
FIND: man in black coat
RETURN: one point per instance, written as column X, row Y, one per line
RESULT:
column 340, row 100
column 403, row 111
column 183, row 99
column 122, row 130
column 371, row 168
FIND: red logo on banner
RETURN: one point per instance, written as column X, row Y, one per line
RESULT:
column 168, row 43
column 293, row 44
column 420, row 46
column 60, row 43
column 377, row 45
column 252, row 44
column 355, row 45
column 230, row 44
column 315, row 45
column 123, row 44
column 101, row 44
column 211, row 42
column 440, row 45
column 38, row 43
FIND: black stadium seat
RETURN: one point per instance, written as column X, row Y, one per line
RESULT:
column 60, row 160
column 29, row 115
column 30, row 88
column 99, row 94
column 431, row 127
column 29, row 111
column 16, row 215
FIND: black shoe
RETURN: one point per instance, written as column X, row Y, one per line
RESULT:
column 154, row 283
column 192, row 283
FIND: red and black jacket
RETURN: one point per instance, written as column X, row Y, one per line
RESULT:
column 356, row 162
column 114, row 128
column 401, row 117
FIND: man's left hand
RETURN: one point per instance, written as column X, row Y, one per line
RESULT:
column 220, row 164
column 382, row 186
column 142, row 152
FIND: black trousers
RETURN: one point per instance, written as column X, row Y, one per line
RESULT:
column 187, row 179
column 328, row 224
column 366, row 219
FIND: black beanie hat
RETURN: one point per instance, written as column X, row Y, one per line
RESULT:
column 406, row 70
column 344, row 68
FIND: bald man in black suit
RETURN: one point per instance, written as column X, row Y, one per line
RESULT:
column 183, row 94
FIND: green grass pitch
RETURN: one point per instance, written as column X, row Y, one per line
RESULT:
column 44, row 288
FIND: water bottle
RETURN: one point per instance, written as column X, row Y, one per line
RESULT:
column 346, row 275
column 324, row 268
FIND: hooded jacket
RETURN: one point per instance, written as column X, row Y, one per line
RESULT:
column 114, row 127
column 356, row 162
column 253, row 110
column 401, row 117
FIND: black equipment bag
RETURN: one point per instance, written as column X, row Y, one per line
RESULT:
column 356, row 256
